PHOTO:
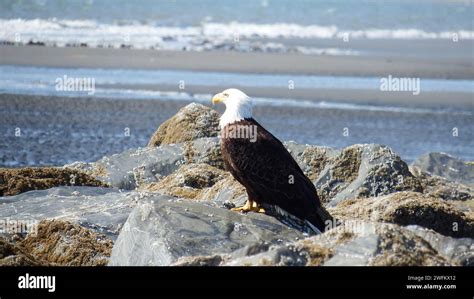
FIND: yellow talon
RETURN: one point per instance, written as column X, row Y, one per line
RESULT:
column 250, row 206
column 246, row 208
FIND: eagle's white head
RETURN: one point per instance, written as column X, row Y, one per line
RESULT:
column 237, row 106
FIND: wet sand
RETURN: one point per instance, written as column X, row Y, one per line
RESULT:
column 56, row 131
column 270, row 63
column 449, row 100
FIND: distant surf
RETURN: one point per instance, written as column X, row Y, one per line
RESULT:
column 245, row 25
column 206, row 36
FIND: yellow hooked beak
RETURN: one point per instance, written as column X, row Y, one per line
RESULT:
column 218, row 98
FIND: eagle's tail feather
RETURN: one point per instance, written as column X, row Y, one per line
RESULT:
column 320, row 219
column 313, row 228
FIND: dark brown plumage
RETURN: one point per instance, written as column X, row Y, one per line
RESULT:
column 270, row 174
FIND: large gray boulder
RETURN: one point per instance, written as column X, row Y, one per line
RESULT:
column 457, row 250
column 163, row 229
column 365, row 171
column 357, row 243
column 103, row 210
column 406, row 208
column 136, row 167
column 441, row 187
column 447, row 166
column 357, row 171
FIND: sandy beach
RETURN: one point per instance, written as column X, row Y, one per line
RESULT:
column 220, row 61
column 455, row 101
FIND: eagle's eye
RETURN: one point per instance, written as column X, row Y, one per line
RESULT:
column 226, row 94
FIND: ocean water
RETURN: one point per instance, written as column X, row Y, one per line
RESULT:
column 207, row 25
column 426, row 15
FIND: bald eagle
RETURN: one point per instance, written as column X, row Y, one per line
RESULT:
column 260, row 162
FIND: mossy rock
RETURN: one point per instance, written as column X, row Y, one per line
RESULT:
column 191, row 122
column 14, row 181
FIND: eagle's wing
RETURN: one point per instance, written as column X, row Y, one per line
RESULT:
column 270, row 173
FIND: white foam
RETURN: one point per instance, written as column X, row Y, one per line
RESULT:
column 285, row 30
column 62, row 32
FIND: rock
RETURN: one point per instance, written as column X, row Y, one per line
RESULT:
column 437, row 186
column 18, row 180
column 103, row 210
column 361, row 171
column 133, row 167
column 12, row 254
column 162, row 229
column 459, row 251
column 141, row 166
column 65, row 244
column 191, row 122
column 213, row 260
column 355, row 243
column 312, row 159
column 204, row 150
column 447, row 166
column 200, row 178
column 226, row 192
column 356, row 171
column 274, row 256
column 204, row 182
column 466, row 206
column 399, row 247
column 405, row 208
column 188, row 181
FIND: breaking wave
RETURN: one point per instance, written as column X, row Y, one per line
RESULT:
column 208, row 35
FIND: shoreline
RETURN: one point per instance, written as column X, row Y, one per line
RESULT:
column 221, row 61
